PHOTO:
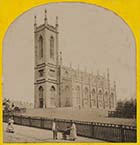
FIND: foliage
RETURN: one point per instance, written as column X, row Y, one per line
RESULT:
column 9, row 107
column 126, row 108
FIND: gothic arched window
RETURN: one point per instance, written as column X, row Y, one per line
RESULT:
column 67, row 94
column 53, row 96
column 100, row 92
column 100, row 98
column 78, row 95
column 86, row 97
column 41, row 96
column 93, row 92
column 40, row 46
column 93, row 96
column 86, row 93
column 51, row 47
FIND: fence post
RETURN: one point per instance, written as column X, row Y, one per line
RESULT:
column 21, row 119
column 92, row 126
column 122, row 133
column 30, row 123
column 41, row 122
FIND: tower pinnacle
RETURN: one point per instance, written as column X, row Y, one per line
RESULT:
column 108, row 76
column 56, row 24
column 45, row 17
column 115, row 85
column 35, row 23
column 60, row 57
column 56, row 20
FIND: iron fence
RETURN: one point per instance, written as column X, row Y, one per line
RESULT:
column 102, row 131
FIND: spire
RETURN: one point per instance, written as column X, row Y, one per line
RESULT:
column 108, row 78
column 56, row 24
column 115, row 93
column 108, row 75
column 45, row 17
column 56, row 21
column 60, row 57
column 35, row 23
column 115, row 85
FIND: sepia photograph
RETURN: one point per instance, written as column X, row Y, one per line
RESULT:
column 69, row 75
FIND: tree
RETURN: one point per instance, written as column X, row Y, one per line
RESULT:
column 126, row 109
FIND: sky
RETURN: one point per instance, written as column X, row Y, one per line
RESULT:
column 89, row 36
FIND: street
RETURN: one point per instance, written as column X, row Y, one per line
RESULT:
column 29, row 134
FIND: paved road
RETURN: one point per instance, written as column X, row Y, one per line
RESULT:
column 30, row 134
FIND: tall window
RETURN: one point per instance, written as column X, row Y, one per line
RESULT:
column 67, row 94
column 100, row 98
column 51, row 47
column 93, row 98
column 78, row 95
column 41, row 97
column 41, row 73
column 53, row 103
column 100, row 92
column 86, row 97
column 40, row 46
column 86, row 93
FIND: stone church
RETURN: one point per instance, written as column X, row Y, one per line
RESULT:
column 57, row 85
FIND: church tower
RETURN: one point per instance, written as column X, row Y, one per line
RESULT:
column 46, row 85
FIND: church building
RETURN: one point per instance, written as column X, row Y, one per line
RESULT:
column 57, row 85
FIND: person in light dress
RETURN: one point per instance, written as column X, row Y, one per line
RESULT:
column 73, row 131
column 10, row 126
column 54, row 129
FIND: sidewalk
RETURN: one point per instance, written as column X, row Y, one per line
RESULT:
column 30, row 134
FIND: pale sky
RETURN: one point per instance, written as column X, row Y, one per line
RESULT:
column 89, row 36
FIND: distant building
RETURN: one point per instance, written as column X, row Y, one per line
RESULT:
column 57, row 85
column 22, row 104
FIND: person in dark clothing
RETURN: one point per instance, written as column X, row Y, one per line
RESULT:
column 66, row 132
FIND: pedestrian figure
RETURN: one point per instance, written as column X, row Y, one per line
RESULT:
column 10, row 126
column 54, row 129
column 73, row 131
column 66, row 133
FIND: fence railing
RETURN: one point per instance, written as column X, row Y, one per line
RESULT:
column 102, row 131
column 121, row 114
